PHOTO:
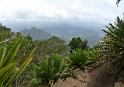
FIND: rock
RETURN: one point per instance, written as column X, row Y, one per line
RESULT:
column 119, row 84
column 80, row 80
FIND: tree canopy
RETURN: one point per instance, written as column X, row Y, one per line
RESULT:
column 78, row 43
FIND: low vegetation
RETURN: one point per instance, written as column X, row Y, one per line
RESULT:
column 54, row 59
column 8, row 68
column 49, row 69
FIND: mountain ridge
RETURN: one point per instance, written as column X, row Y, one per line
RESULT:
column 36, row 33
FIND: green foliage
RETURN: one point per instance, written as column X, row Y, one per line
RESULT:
column 5, row 33
column 91, row 55
column 81, row 58
column 49, row 47
column 48, row 69
column 117, row 31
column 44, row 70
column 9, row 39
column 46, row 47
column 8, row 69
column 26, row 48
column 77, row 43
column 77, row 58
column 112, row 51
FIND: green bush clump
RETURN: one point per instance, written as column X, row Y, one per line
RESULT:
column 81, row 58
column 48, row 70
column 77, row 58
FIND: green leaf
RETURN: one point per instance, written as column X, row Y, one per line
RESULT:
column 10, row 57
column 2, row 54
column 6, row 69
column 21, row 69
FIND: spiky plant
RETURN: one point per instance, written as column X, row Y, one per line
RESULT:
column 81, row 58
column 91, row 55
column 112, row 51
column 77, row 58
column 8, row 69
column 48, row 70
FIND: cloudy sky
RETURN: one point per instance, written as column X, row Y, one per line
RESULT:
column 88, row 10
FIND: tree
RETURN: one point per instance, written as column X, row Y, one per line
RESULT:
column 111, row 56
column 5, row 33
column 54, row 45
column 78, row 43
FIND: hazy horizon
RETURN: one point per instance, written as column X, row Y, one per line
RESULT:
column 43, row 11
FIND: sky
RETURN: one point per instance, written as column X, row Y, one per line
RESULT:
column 36, row 10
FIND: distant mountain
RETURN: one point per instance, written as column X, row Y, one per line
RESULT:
column 36, row 34
column 65, row 32
column 91, row 31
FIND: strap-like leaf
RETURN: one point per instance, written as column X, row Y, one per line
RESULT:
column 6, row 69
column 2, row 54
column 10, row 57
column 21, row 69
column 7, row 75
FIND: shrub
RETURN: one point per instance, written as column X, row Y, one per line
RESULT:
column 48, row 70
column 112, row 52
column 77, row 58
column 91, row 55
column 81, row 58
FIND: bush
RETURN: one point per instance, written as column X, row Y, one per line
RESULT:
column 81, row 58
column 77, row 58
column 112, row 52
column 49, row 70
column 91, row 55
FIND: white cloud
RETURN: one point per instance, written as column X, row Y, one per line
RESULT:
column 64, row 9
